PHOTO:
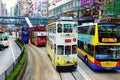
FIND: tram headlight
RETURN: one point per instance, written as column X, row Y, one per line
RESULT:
column 61, row 62
column 74, row 39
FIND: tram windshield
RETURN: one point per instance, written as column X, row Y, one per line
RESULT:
column 68, row 28
column 107, row 52
column 41, row 38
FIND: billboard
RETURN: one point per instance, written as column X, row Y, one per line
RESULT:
column 86, row 2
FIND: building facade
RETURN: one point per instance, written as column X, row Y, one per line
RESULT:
column 78, row 9
column 111, row 8
column 33, row 8
column 64, row 8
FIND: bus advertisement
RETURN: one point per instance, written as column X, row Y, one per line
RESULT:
column 99, row 45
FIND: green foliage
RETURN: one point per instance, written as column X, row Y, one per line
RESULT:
column 14, row 74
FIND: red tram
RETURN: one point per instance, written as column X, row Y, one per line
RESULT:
column 38, row 35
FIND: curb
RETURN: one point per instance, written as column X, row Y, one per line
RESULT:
column 22, row 72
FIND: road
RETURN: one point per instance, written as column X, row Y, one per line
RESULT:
column 40, row 68
column 8, row 55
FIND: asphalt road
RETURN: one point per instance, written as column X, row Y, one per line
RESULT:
column 9, row 55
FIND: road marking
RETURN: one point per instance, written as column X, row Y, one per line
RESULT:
column 83, row 73
column 12, row 51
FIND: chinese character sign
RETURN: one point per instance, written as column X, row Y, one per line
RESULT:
column 85, row 2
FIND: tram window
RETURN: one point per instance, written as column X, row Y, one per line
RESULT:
column 60, row 50
column 1, row 39
column 74, row 50
column 68, row 28
column 59, row 28
column 38, row 38
column 67, row 50
column 75, row 28
column 6, row 38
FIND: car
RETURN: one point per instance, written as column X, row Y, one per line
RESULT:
column 1, row 46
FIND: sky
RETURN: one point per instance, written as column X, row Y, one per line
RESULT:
column 9, row 3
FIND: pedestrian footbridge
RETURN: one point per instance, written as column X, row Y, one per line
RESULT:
column 20, row 20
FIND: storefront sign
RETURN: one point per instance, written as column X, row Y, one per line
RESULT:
column 86, row 2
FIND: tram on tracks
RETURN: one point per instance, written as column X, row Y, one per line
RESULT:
column 61, row 45
column 99, row 45
column 38, row 35
column 24, row 35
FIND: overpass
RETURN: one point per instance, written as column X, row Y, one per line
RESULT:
column 21, row 20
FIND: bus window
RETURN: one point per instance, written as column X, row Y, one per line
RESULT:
column 67, row 50
column 60, row 50
column 83, row 29
column 74, row 50
column 109, row 30
column 107, row 52
column 91, row 30
column 68, row 28
column 59, row 28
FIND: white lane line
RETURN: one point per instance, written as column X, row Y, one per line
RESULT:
column 83, row 73
column 12, row 51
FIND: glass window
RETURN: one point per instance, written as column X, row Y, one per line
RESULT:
column 41, row 38
column 91, row 30
column 83, row 29
column 74, row 49
column 107, row 52
column 109, row 31
column 75, row 28
column 67, row 50
column 59, row 28
column 68, row 28
column 6, row 38
column 60, row 50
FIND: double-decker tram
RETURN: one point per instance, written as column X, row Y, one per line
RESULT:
column 24, row 34
column 62, row 44
column 38, row 35
column 99, row 45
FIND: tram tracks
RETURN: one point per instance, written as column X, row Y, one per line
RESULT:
column 48, row 72
column 45, row 70
column 75, row 75
column 36, row 67
column 30, row 67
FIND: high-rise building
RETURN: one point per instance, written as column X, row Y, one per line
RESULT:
column 40, row 8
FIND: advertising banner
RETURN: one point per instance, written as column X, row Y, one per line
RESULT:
column 86, row 2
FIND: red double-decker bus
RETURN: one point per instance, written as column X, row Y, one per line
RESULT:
column 38, row 35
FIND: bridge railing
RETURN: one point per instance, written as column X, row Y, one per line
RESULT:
column 28, row 22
